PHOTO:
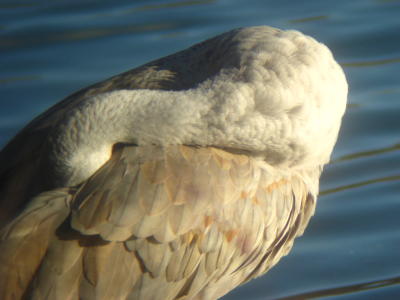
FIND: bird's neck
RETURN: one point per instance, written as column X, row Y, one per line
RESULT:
column 83, row 140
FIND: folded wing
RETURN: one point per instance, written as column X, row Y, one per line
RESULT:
column 155, row 223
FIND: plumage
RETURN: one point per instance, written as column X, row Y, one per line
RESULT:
column 180, row 179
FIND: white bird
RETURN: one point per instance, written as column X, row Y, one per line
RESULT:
column 180, row 179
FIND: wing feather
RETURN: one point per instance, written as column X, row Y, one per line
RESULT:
column 24, row 241
column 60, row 272
column 111, row 271
column 157, row 223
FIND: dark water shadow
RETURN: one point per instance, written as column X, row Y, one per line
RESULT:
column 13, row 79
column 359, row 184
column 175, row 4
column 371, row 63
column 342, row 290
column 309, row 19
column 367, row 153
column 75, row 35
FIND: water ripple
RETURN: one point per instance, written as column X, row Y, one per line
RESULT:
column 371, row 63
column 171, row 5
column 359, row 184
column 309, row 19
column 342, row 290
column 367, row 153
column 27, row 40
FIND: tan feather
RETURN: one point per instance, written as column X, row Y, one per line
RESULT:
column 24, row 242
column 111, row 271
column 152, row 196
column 60, row 273
column 154, row 255
column 169, row 235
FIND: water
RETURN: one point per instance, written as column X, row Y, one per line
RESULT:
column 351, row 249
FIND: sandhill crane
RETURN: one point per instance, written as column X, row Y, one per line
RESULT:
column 180, row 179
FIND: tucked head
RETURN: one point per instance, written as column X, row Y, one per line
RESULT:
column 279, row 95
column 276, row 93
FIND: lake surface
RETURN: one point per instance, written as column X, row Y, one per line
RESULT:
column 351, row 249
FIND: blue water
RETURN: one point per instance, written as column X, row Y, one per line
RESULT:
column 351, row 249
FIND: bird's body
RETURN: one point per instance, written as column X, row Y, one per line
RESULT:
column 180, row 179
